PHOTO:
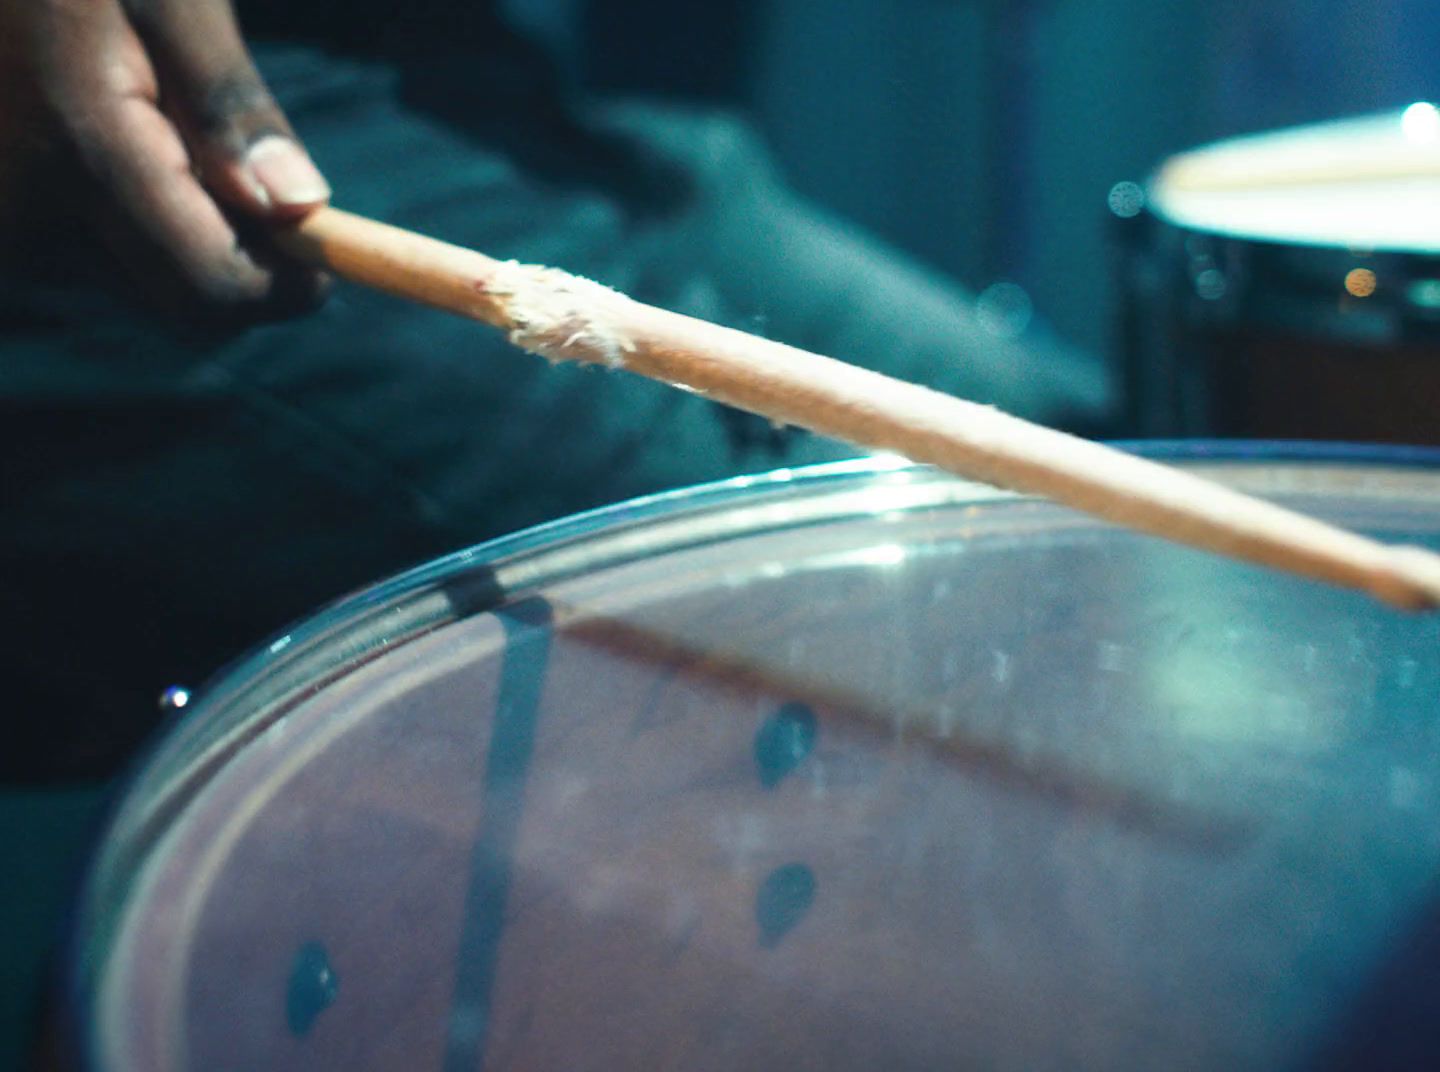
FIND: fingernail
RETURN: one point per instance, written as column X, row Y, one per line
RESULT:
column 256, row 188
column 285, row 172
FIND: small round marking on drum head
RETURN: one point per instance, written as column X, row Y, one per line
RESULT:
column 782, row 901
column 312, row 988
column 783, row 742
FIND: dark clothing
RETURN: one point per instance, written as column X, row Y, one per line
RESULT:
column 170, row 499
column 386, row 28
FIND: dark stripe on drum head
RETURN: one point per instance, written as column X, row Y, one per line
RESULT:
column 527, row 628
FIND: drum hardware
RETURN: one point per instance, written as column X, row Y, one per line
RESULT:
column 1287, row 286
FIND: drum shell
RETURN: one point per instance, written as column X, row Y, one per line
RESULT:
column 1228, row 336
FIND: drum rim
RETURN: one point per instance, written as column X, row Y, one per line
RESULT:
column 123, row 843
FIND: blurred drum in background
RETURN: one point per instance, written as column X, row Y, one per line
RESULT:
column 851, row 768
column 1287, row 285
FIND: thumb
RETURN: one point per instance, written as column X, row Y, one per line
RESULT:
column 242, row 145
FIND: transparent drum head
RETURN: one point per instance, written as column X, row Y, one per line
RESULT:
column 851, row 768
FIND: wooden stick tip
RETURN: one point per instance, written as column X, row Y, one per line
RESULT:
column 1409, row 578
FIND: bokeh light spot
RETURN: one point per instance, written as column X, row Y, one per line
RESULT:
column 1360, row 282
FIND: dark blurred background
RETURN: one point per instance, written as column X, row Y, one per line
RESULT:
column 984, row 135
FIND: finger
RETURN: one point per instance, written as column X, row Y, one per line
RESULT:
column 172, row 236
column 136, row 177
column 242, row 144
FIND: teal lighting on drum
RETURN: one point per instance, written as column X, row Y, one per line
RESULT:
column 1420, row 123
column 1232, row 678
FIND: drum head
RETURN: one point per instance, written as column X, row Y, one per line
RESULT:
column 855, row 768
column 1368, row 184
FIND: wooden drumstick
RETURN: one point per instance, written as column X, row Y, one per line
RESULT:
column 566, row 318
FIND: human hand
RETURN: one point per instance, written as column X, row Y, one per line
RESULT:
column 146, row 121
